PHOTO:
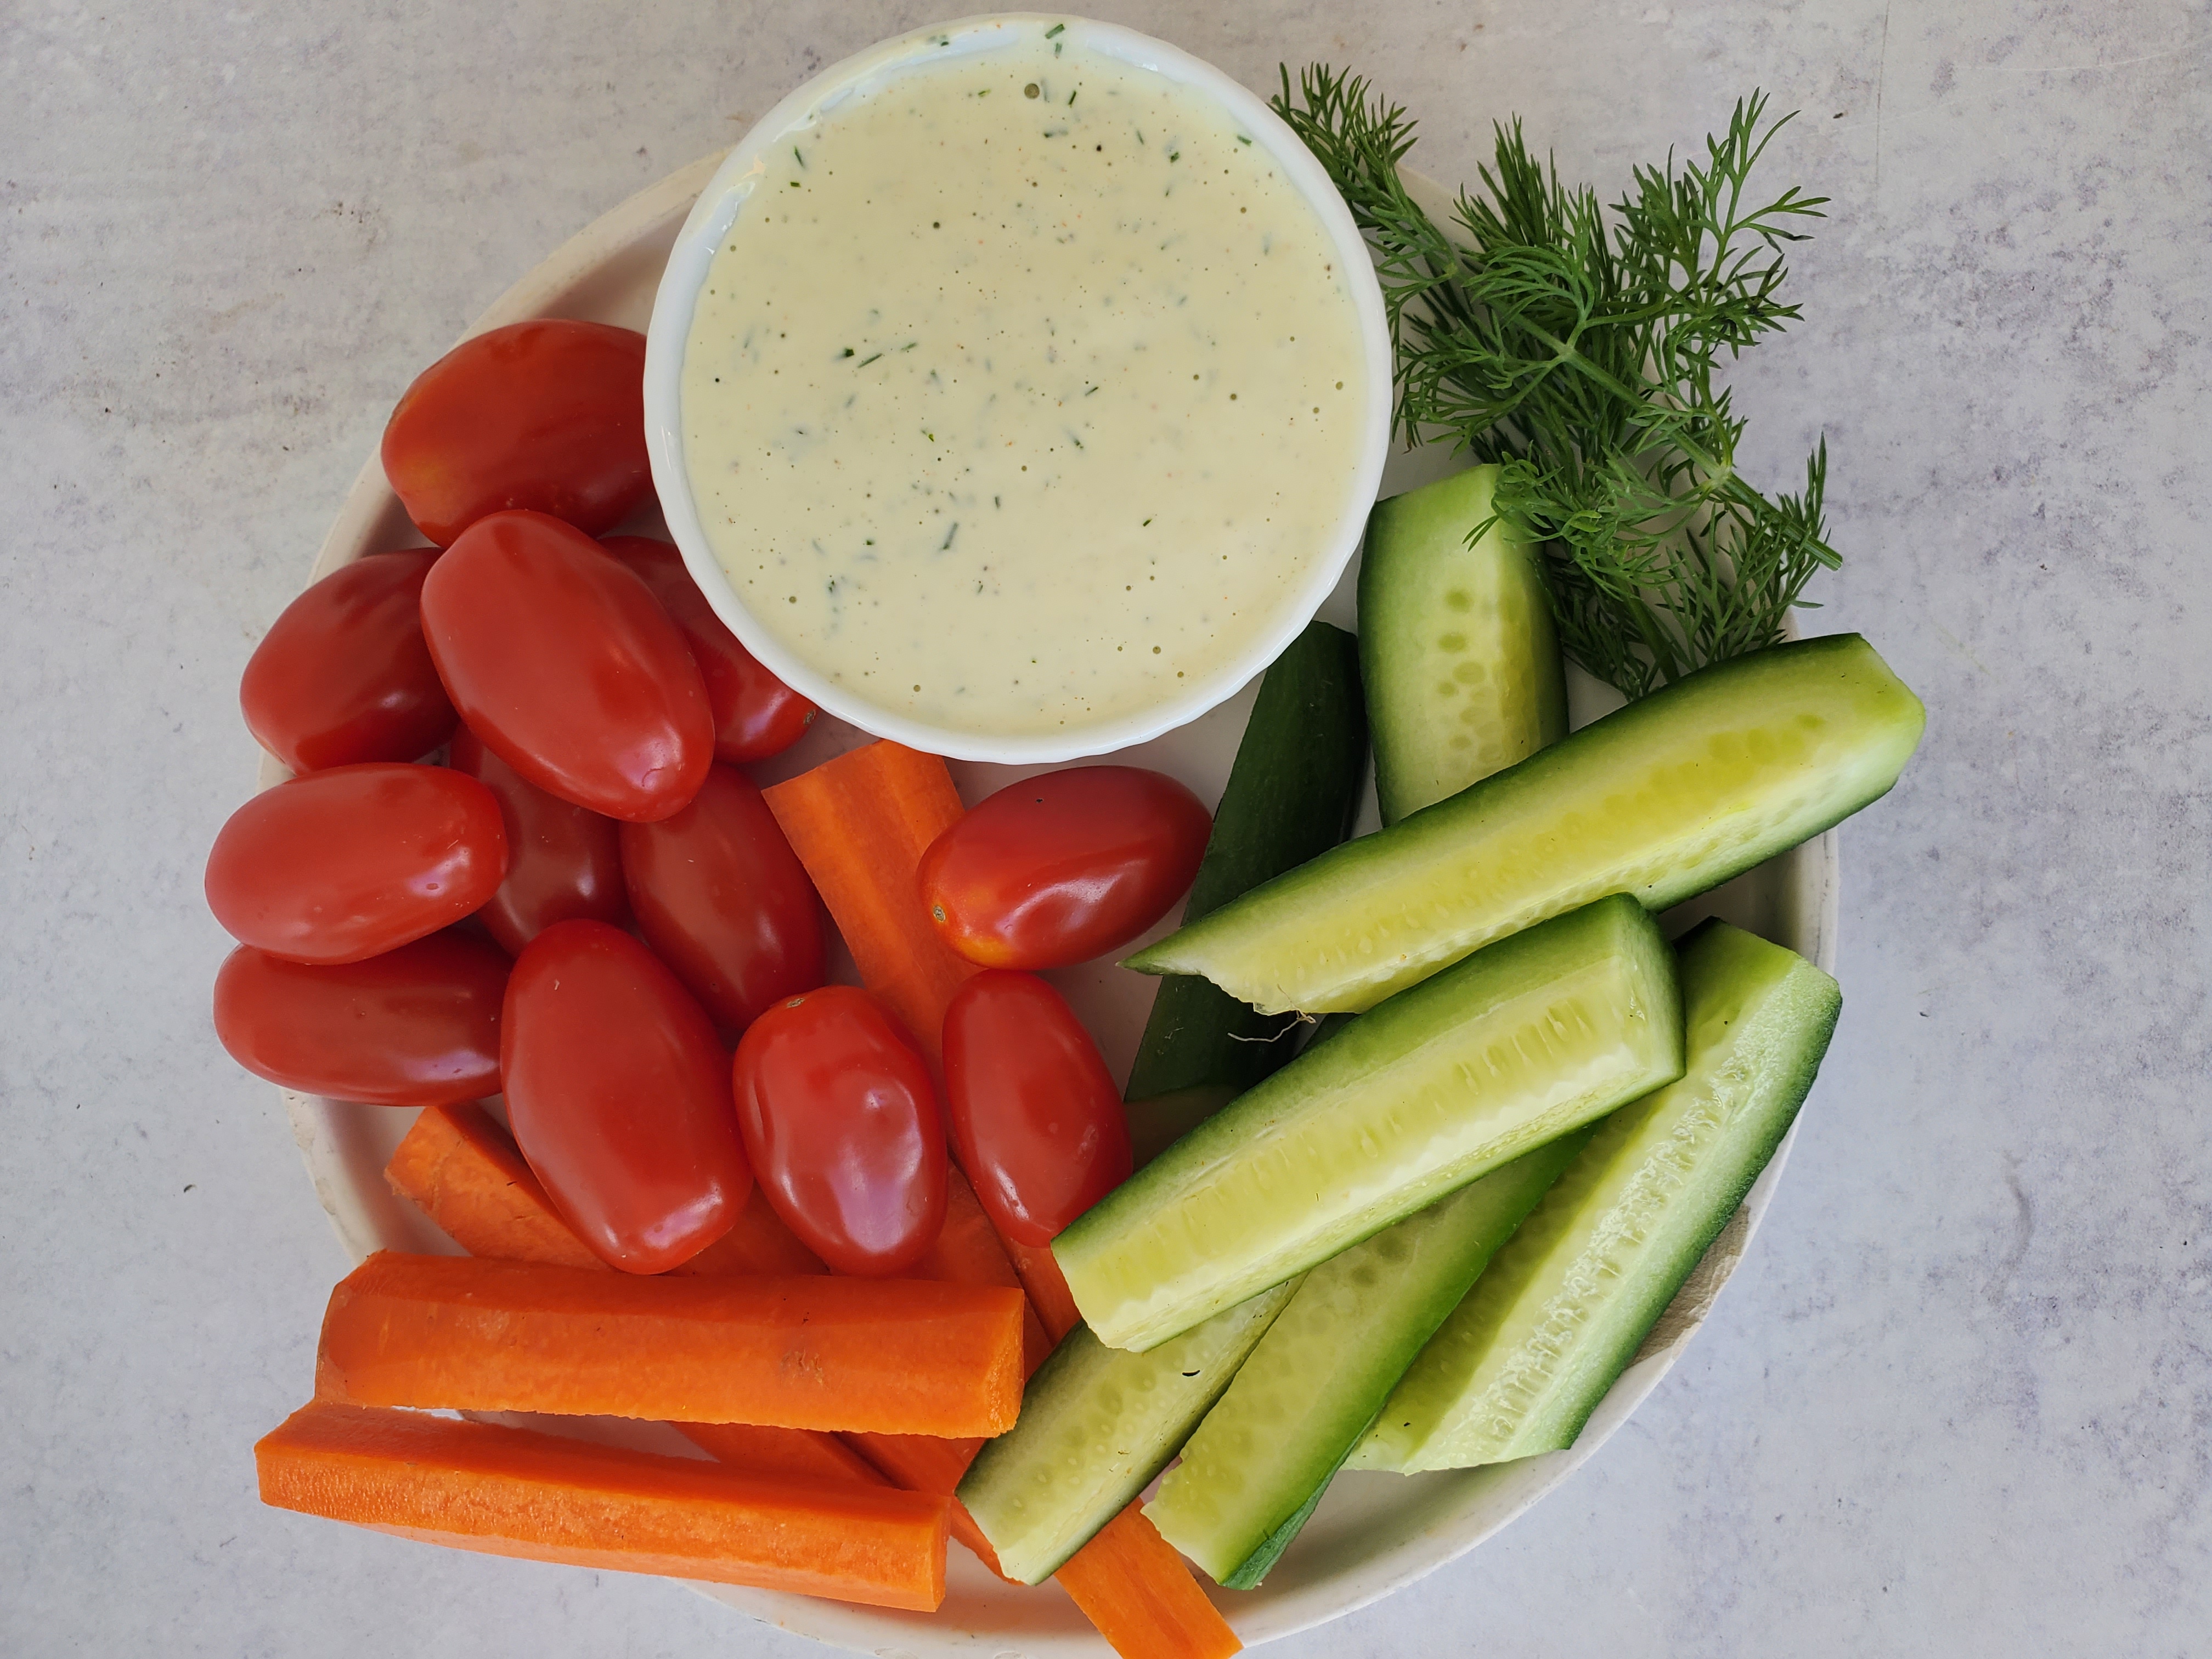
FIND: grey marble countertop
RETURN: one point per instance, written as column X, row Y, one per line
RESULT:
column 1958, row 1399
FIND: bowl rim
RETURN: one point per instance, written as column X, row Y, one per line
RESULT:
column 702, row 236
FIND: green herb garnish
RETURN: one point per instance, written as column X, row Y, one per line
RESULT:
column 1580, row 349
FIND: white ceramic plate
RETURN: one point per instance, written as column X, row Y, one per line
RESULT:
column 1374, row 1533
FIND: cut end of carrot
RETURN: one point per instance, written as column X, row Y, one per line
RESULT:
column 515, row 1493
column 1131, row 1584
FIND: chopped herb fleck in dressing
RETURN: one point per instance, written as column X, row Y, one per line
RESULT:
column 1130, row 358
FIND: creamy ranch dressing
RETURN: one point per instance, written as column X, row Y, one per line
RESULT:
column 1023, row 391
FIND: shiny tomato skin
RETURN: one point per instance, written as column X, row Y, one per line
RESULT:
column 842, row 1123
column 563, row 862
column 417, row 1026
column 619, row 1096
column 756, row 716
column 346, row 864
column 548, row 415
column 1064, row 867
column 343, row 676
column 723, row 900
column 1033, row 1112
column 562, row 661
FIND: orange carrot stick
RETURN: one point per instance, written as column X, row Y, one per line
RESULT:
column 860, row 824
column 463, row 1170
column 967, row 1251
column 892, row 1356
column 802, row 1456
column 1047, row 1286
column 921, row 1463
column 1131, row 1584
column 460, row 1169
column 510, row 1492
column 758, row 1243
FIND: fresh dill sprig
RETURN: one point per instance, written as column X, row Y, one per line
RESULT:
column 1581, row 351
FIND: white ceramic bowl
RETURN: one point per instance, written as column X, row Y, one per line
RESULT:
column 1373, row 1533
column 725, row 198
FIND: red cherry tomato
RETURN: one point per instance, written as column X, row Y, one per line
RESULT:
column 343, row 676
column 1064, row 867
column 756, row 716
column 1034, row 1111
column 548, row 415
column 561, row 659
column 418, row 1026
column 723, row 901
column 842, row 1123
column 348, row 864
column 619, row 1096
column 563, row 862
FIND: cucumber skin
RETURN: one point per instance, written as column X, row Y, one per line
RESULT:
column 1798, row 1009
column 1291, row 793
column 1276, row 1466
column 1614, row 934
column 1417, row 559
column 1384, row 887
column 1070, row 1375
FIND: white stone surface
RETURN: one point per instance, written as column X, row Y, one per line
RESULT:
column 1957, row 1401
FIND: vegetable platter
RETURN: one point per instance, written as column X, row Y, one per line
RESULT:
column 1374, row 1532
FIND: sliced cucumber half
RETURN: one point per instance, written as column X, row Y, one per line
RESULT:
column 1513, row 1048
column 1096, row 1424
column 1662, row 800
column 1266, row 1452
column 1561, row 1310
column 1457, row 645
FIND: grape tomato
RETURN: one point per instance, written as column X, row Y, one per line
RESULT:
column 560, row 658
column 563, row 861
column 841, row 1120
column 1064, row 867
column 346, row 864
column 723, row 901
column 619, row 1096
column 343, row 675
column 1035, row 1114
column 417, row 1026
column 548, row 415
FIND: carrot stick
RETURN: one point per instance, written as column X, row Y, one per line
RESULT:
column 463, row 1171
column 860, row 824
column 924, row 1464
column 967, row 1251
column 511, row 1491
column 460, row 1169
column 893, row 1356
column 757, row 1244
column 801, row 1456
column 1047, row 1288
column 1131, row 1584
